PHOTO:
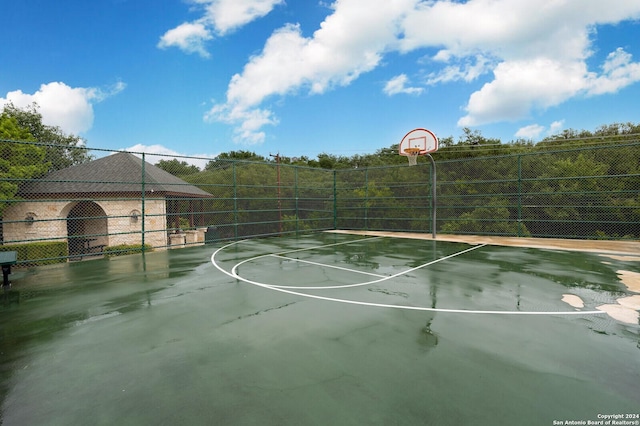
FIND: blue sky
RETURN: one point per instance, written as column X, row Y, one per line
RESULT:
column 303, row 77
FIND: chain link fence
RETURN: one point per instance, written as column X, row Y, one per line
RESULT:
column 62, row 204
column 585, row 193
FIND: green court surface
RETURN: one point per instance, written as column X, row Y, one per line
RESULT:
column 324, row 329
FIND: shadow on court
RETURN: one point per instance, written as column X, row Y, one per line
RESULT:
column 323, row 329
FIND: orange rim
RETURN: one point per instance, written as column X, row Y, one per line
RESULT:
column 412, row 151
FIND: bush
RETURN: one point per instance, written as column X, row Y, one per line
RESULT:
column 40, row 253
column 486, row 221
column 124, row 249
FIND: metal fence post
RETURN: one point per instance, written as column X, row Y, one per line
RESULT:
column 519, row 195
column 366, row 199
column 295, row 191
column 143, row 201
column 335, row 200
column 235, row 202
column 433, row 196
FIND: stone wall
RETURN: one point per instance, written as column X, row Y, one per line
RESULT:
column 121, row 222
column 47, row 224
column 125, row 222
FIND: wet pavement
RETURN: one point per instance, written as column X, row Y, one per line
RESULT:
column 167, row 338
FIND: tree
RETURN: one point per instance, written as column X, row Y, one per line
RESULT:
column 18, row 161
column 618, row 129
column 446, row 142
column 327, row 161
column 223, row 159
column 177, row 168
column 475, row 138
column 62, row 150
column 489, row 220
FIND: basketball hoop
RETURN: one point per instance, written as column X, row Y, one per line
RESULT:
column 417, row 142
column 412, row 155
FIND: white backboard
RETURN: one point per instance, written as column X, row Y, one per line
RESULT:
column 423, row 139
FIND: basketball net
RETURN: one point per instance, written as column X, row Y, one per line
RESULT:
column 412, row 155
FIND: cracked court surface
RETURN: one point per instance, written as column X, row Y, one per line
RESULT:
column 169, row 337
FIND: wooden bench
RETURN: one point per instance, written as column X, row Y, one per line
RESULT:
column 98, row 248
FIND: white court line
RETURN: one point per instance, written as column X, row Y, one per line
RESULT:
column 234, row 271
column 292, row 251
column 213, row 256
column 326, row 245
column 234, row 274
column 324, row 265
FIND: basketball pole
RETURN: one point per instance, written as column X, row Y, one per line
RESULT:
column 277, row 157
column 433, row 196
column 422, row 142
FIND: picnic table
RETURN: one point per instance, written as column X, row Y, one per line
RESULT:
column 80, row 247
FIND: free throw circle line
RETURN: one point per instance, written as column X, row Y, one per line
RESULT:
column 379, row 280
column 283, row 252
column 233, row 274
column 324, row 265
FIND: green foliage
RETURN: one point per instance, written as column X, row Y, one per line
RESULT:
column 39, row 253
column 471, row 144
column 492, row 219
column 18, row 161
column 177, row 168
column 484, row 186
column 61, row 150
column 251, row 197
column 184, row 223
column 569, row 188
column 124, row 249
column 612, row 132
column 10, row 130
column 225, row 159
column 292, row 223
column 30, row 160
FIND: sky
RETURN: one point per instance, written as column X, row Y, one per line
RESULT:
column 305, row 77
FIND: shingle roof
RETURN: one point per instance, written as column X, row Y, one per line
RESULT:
column 117, row 173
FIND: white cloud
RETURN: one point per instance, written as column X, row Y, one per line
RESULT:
column 160, row 152
column 618, row 71
column 398, row 84
column 219, row 17
column 532, row 131
column 555, row 127
column 228, row 15
column 248, row 122
column 521, row 86
column 189, row 37
column 351, row 41
column 538, row 50
column 69, row 108
column 532, row 52
column 467, row 69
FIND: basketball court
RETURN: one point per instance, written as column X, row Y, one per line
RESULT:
column 327, row 328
